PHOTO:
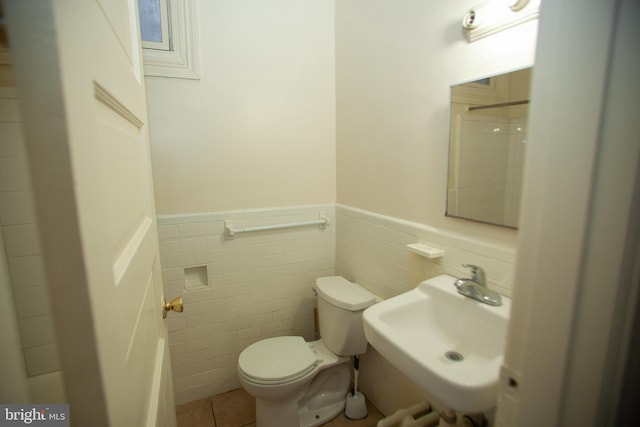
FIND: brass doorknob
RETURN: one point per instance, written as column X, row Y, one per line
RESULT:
column 175, row 305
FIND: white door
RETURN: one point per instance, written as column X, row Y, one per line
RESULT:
column 83, row 100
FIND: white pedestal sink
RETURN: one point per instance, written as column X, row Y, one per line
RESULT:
column 448, row 344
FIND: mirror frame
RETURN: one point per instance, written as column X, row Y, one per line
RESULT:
column 499, row 92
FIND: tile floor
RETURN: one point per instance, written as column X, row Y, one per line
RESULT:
column 236, row 408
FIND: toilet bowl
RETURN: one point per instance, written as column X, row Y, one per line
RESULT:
column 298, row 383
column 299, row 370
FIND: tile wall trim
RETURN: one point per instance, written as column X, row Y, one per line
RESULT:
column 170, row 219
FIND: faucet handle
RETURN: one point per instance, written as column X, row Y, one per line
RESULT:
column 477, row 273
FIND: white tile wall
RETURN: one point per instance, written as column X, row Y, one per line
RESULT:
column 515, row 169
column 484, row 148
column 491, row 160
column 371, row 250
column 26, row 266
column 260, row 285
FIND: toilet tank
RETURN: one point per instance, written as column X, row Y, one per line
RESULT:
column 340, row 307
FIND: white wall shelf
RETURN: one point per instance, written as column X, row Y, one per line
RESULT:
column 426, row 251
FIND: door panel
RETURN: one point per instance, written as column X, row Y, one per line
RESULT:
column 118, row 14
column 87, row 137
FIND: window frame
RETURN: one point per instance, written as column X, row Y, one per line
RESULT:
column 182, row 60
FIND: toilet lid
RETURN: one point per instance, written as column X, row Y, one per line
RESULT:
column 277, row 360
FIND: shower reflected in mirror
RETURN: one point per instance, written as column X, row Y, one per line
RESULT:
column 487, row 148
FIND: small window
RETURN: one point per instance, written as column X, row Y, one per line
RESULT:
column 154, row 24
column 169, row 33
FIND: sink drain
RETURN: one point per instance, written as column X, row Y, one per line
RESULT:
column 454, row 356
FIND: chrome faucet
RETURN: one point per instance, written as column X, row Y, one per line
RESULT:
column 475, row 287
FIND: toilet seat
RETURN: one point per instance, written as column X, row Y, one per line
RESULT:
column 277, row 360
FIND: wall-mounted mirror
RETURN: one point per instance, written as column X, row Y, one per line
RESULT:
column 487, row 146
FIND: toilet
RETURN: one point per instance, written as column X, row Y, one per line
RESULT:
column 298, row 383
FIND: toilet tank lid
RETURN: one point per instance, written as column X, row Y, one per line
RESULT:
column 342, row 293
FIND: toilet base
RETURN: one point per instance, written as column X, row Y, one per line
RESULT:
column 309, row 401
column 318, row 417
column 270, row 415
column 326, row 396
column 320, row 402
column 313, row 404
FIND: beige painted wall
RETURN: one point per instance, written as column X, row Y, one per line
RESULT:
column 394, row 65
column 258, row 130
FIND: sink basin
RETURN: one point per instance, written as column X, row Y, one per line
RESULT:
column 449, row 345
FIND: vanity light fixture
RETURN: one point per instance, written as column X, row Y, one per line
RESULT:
column 494, row 16
column 518, row 5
